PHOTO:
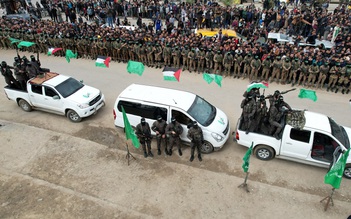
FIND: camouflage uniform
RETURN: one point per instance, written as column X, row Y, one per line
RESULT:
column 323, row 73
column 255, row 67
column 313, row 71
column 142, row 52
column 238, row 59
column 217, row 59
column 131, row 53
column 295, row 66
column 209, row 60
column 167, row 52
column 249, row 110
column 184, row 53
column 277, row 67
column 176, row 57
column 191, row 58
column 201, row 60
column 303, row 73
column 266, row 64
column 124, row 52
column 343, row 78
column 285, row 71
column 228, row 63
column 333, row 76
column 150, row 55
column 158, row 56
column 247, row 65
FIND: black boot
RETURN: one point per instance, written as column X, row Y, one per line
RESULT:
column 170, row 152
column 180, row 152
column 328, row 89
column 336, row 90
column 200, row 158
column 150, row 154
column 166, row 152
column 343, row 91
column 191, row 158
column 348, row 91
column 159, row 152
column 145, row 154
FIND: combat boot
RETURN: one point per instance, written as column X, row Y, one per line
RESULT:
column 145, row 154
column 159, row 152
column 348, row 91
column 170, row 152
column 336, row 90
column 191, row 158
column 328, row 89
column 180, row 152
column 150, row 154
column 343, row 91
column 200, row 158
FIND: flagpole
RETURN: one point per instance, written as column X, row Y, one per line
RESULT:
column 244, row 184
column 129, row 155
column 329, row 198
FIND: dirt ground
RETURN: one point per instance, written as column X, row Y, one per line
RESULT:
column 52, row 168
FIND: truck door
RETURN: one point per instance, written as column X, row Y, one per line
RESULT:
column 52, row 99
column 36, row 96
column 184, row 120
column 296, row 143
column 323, row 148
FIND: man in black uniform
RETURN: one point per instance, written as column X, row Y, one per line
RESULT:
column 143, row 132
column 159, row 127
column 196, row 136
column 7, row 73
column 173, row 131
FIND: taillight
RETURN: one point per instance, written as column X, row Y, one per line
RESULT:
column 237, row 135
column 114, row 115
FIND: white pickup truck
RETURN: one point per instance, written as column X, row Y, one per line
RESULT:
column 58, row 94
column 318, row 142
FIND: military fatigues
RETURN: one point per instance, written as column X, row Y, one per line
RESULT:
column 295, row 66
column 249, row 110
column 142, row 52
column 237, row 65
column 196, row 136
column 167, row 52
column 150, row 55
column 159, row 127
column 261, row 116
column 184, row 53
column 20, row 76
column 158, row 56
column 266, row 64
column 228, row 63
column 285, row 71
column 176, row 57
column 217, row 59
column 173, row 131
column 274, row 120
column 277, row 67
column 144, row 134
column 201, row 60
column 333, row 77
column 9, row 79
column 255, row 67
column 343, row 79
column 247, row 65
column 209, row 60
column 323, row 73
column 191, row 59
column 303, row 73
column 313, row 71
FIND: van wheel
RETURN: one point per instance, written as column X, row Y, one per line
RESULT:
column 264, row 152
column 206, row 147
column 347, row 171
column 73, row 116
column 24, row 105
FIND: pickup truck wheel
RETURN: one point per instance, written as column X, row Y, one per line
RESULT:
column 264, row 152
column 347, row 171
column 73, row 116
column 24, row 105
column 206, row 147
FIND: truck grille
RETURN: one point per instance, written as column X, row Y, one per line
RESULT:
column 226, row 129
column 95, row 100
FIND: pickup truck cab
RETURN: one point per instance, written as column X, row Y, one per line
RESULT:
column 317, row 142
column 58, row 94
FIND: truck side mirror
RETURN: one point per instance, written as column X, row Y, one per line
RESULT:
column 56, row 97
column 81, row 81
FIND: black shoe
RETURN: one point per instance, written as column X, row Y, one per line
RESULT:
column 191, row 158
column 166, row 152
column 348, row 91
column 336, row 91
column 328, row 89
column 170, row 153
column 145, row 154
column 150, row 154
column 343, row 91
column 180, row 152
column 159, row 152
column 200, row 158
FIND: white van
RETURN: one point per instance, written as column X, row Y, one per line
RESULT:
column 149, row 102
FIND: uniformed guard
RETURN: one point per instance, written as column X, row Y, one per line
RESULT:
column 333, row 76
column 228, row 63
column 167, row 52
column 277, row 67
column 255, row 67
column 209, row 60
column 196, row 137
column 201, row 60
column 295, row 67
column 159, row 127
column 173, row 131
column 238, row 61
column 218, row 59
column 313, row 71
column 191, row 58
column 275, row 116
column 247, row 65
column 286, row 66
column 143, row 132
column 184, row 53
column 343, row 78
column 323, row 73
column 151, row 54
column 266, row 64
column 176, row 57
column 8, row 75
column 158, row 55
column 261, row 116
column 20, row 76
column 303, row 73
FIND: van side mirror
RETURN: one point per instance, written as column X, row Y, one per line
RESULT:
column 56, row 97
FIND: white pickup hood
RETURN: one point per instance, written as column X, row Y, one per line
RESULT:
column 219, row 123
column 84, row 95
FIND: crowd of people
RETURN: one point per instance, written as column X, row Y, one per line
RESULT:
column 169, row 39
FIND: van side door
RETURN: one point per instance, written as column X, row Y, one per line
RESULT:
column 296, row 143
column 184, row 120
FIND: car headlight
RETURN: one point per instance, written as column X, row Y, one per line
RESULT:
column 217, row 137
column 83, row 105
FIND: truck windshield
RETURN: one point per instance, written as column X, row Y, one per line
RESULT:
column 202, row 111
column 69, row 87
column 339, row 133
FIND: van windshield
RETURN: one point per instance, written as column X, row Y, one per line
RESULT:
column 69, row 87
column 339, row 133
column 202, row 111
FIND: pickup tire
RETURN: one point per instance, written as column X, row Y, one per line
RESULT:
column 73, row 116
column 24, row 105
column 347, row 171
column 206, row 147
column 264, row 152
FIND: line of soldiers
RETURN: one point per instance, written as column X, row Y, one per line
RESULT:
column 168, row 135
column 257, row 117
column 23, row 69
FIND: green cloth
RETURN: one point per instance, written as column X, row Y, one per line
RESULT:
column 135, row 67
column 13, row 40
column 246, row 159
column 310, row 94
column 334, row 176
column 25, row 43
column 70, row 55
column 209, row 78
column 130, row 134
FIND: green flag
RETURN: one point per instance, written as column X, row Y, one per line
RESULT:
column 130, row 134
column 70, row 55
column 135, row 67
column 246, row 159
column 334, row 176
column 13, row 40
column 209, row 78
column 310, row 94
column 25, row 43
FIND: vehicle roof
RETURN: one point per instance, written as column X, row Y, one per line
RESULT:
column 51, row 79
column 21, row 16
column 171, row 97
column 317, row 121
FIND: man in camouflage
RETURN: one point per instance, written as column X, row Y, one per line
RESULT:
column 295, row 66
column 323, row 73
column 277, row 67
column 303, row 73
column 196, row 137
column 184, row 54
column 167, row 52
column 209, row 60
column 313, row 71
column 176, row 57
column 333, row 76
column 266, row 64
column 247, row 65
column 286, row 70
column 191, row 58
column 158, row 55
column 249, row 110
column 255, row 67
column 228, row 63
column 343, row 78
column 218, row 59
column 238, row 59
column 201, row 60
